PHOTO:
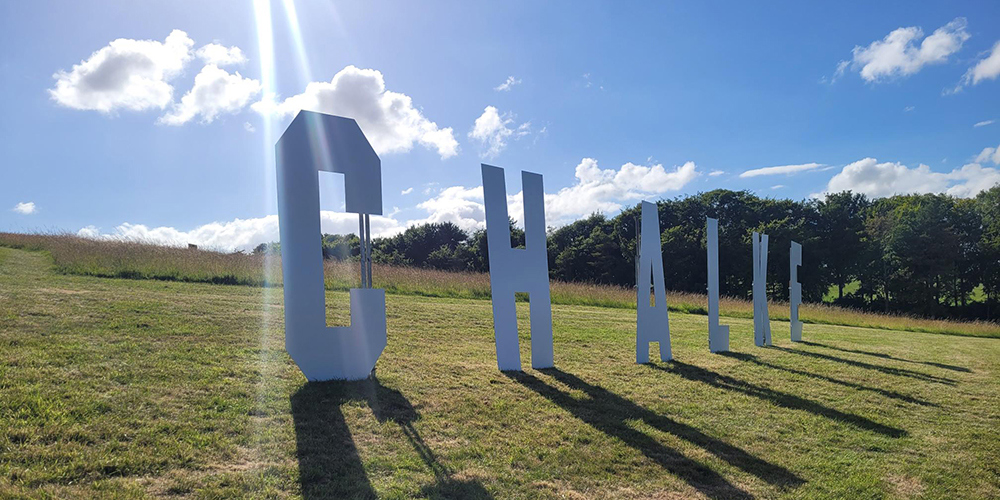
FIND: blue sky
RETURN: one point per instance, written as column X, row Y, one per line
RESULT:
column 158, row 119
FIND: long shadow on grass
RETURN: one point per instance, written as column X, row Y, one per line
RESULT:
column 329, row 464
column 609, row 413
column 786, row 400
column 888, row 356
column 889, row 394
column 902, row 372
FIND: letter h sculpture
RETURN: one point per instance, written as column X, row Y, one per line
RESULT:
column 518, row 270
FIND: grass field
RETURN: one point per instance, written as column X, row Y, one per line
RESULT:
column 143, row 388
column 137, row 260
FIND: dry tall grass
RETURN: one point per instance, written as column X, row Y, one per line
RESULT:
column 141, row 260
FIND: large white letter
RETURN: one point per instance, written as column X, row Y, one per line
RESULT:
column 718, row 335
column 795, row 290
column 518, row 270
column 652, row 324
column 316, row 142
column 761, row 321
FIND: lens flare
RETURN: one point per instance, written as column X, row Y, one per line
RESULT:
column 305, row 72
column 265, row 49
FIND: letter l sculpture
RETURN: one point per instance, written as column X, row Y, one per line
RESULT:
column 718, row 335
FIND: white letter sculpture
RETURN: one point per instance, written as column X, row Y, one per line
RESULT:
column 652, row 323
column 761, row 321
column 316, row 142
column 518, row 270
column 795, row 290
column 718, row 335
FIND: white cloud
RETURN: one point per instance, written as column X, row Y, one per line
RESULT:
column 839, row 72
column 989, row 155
column 595, row 190
column 778, row 186
column 219, row 55
column 988, row 68
column 407, row 191
column 898, row 55
column 715, row 173
column 605, row 190
column 780, row 170
column 239, row 234
column 984, row 123
column 909, row 108
column 507, row 85
column 125, row 74
column 876, row 179
column 457, row 204
column 249, row 127
column 493, row 131
column 971, row 179
column 388, row 119
column 25, row 207
column 215, row 92
column 136, row 74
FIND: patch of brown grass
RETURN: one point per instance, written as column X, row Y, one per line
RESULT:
column 906, row 486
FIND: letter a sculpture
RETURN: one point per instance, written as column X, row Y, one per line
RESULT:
column 518, row 270
column 718, row 335
column 316, row 142
column 795, row 290
column 761, row 321
column 652, row 324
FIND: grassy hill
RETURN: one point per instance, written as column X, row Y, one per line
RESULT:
column 143, row 388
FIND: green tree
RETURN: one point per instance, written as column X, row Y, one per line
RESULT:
column 341, row 246
column 842, row 234
column 415, row 245
column 479, row 251
column 988, row 206
column 586, row 250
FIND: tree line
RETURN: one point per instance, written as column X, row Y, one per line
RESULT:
column 931, row 255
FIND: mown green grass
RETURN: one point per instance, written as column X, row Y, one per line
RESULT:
column 133, row 389
column 137, row 260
